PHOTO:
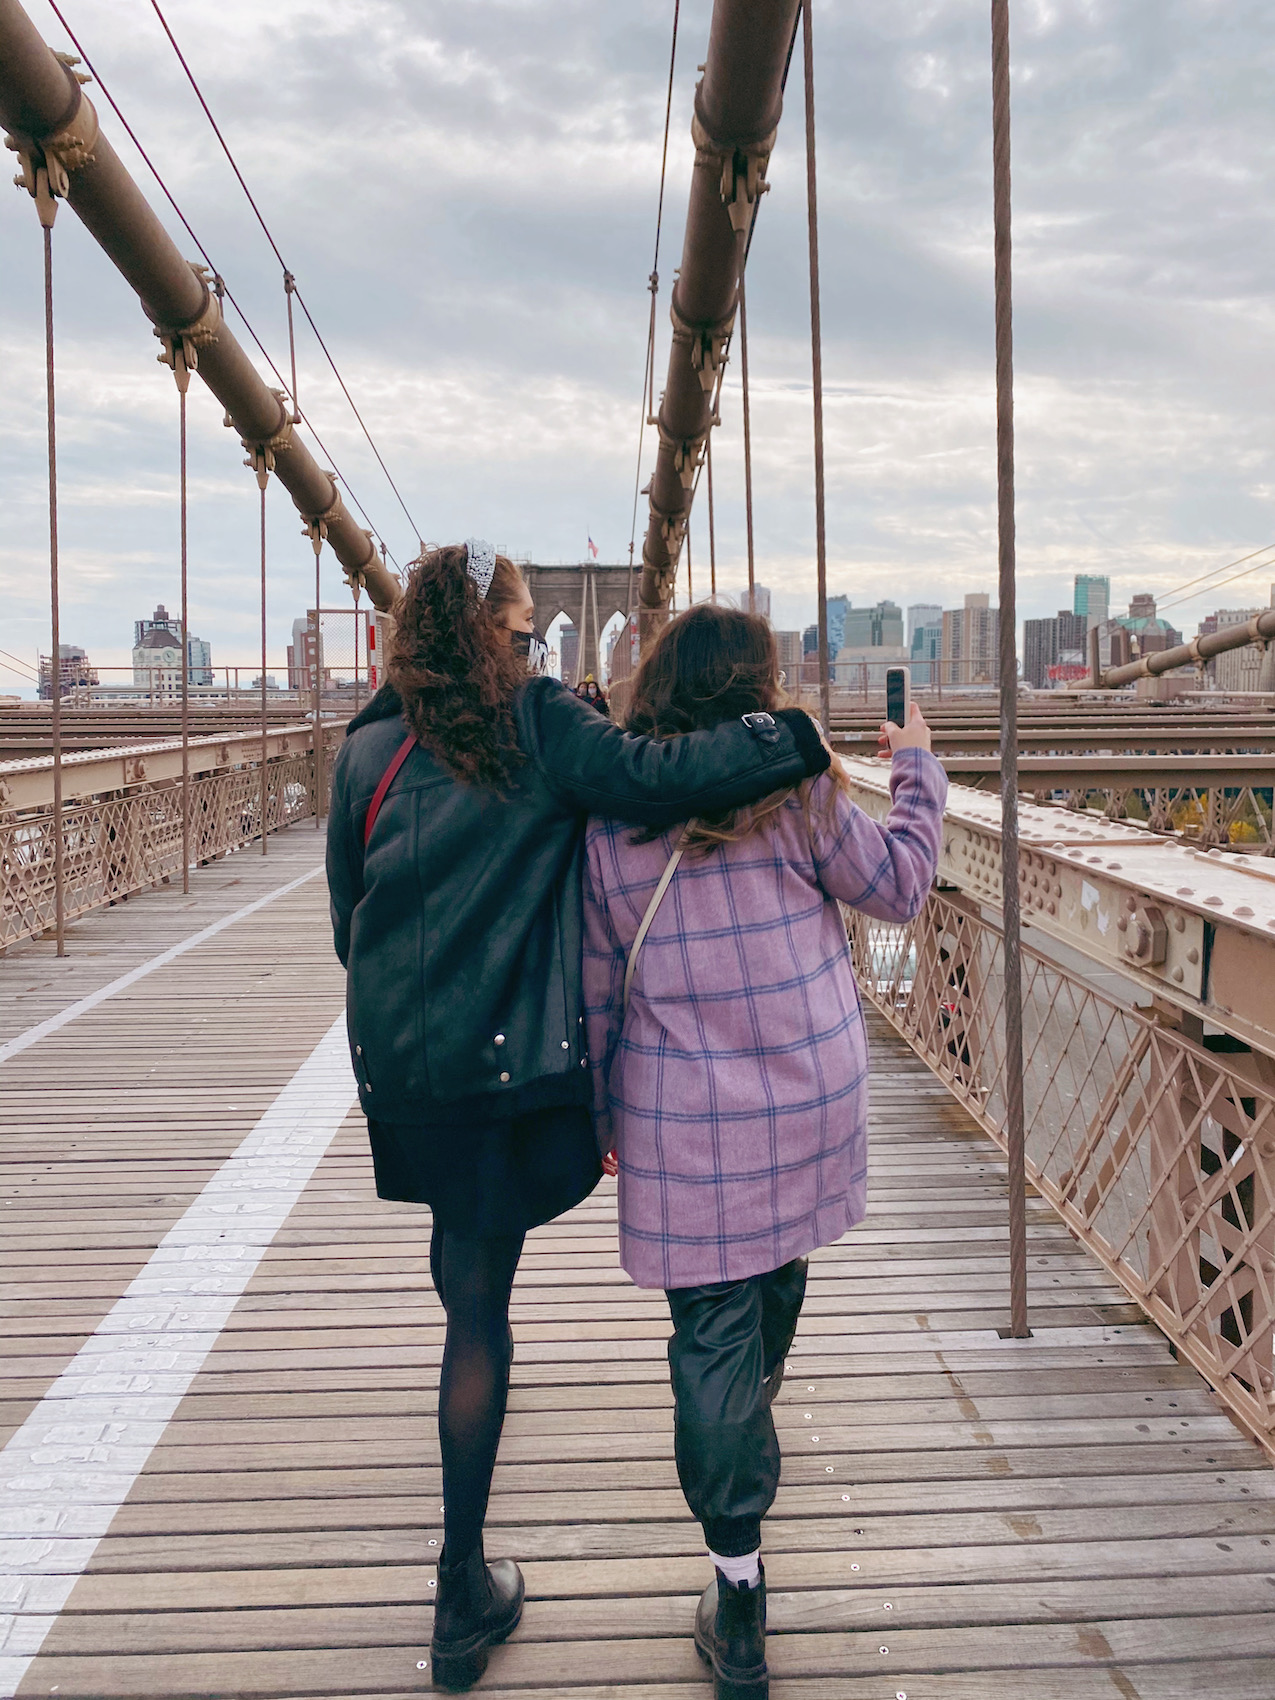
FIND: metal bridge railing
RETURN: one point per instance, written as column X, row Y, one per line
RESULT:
column 119, row 841
column 1157, row 1151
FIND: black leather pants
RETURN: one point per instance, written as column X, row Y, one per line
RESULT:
column 727, row 1339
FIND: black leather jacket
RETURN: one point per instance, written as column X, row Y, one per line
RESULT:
column 460, row 928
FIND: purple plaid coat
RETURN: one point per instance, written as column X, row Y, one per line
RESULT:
column 736, row 1091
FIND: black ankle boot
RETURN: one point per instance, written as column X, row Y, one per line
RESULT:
column 730, row 1635
column 478, row 1605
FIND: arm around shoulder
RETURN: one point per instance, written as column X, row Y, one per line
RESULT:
column 593, row 767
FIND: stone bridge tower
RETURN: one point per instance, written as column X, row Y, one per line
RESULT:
column 588, row 594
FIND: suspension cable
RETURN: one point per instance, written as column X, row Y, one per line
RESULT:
column 712, row 531
column 748, row 444
column 262, row 479
column 185, row 624
column 234, row 166
column 816, row 373
column 47, row 215
column 221, row 287
column 1008, row 654
column 653, row 284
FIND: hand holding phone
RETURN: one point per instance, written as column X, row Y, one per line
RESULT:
column 915, row 735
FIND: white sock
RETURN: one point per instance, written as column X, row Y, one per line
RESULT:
column 745, row 1570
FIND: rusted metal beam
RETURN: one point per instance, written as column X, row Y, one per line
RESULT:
column 53, row 128
column 1260, row 629
column 737, row 107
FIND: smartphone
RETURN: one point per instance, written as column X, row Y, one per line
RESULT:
column 898, row 695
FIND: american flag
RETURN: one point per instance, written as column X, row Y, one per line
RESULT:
column 593, row 549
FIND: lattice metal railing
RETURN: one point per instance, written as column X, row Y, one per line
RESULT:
column 124, row 841
column 1205, row 815
column 1158, row 1151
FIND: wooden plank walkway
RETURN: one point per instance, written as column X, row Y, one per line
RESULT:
column 960, row 1516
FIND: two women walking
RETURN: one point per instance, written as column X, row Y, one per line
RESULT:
column 486, row 961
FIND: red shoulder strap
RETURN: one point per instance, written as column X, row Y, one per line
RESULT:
column 387, row 779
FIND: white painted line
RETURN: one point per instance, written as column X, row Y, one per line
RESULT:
column 72, row 1464
column 33, row 1035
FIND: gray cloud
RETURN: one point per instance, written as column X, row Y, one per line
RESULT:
column 467, row 196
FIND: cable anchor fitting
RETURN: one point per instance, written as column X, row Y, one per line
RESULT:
column 742, row 166
column 707, row 343
column 316, row 525
column 182, row 343
column 356, row 577
column 261, row 456
column 47, row 164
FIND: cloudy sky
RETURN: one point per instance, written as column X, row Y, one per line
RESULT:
column 466, row 194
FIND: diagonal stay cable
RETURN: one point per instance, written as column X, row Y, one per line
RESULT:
column 234, row 166
column 653, row 284
column 208, row 261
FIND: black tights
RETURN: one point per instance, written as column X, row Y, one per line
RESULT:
column 473, row 1279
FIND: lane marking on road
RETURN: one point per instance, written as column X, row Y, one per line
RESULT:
column 33, row 1035
column 73, row 1463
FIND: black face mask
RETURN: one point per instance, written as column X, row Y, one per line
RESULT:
column 533, row 646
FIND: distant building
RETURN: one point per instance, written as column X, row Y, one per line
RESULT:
column 922, row 614
column 1234, row 669
column 863, row 666
column 73, row 670
column 199, row 661
column 925, row 642
column 569, row 654
column 161, row 621
column 157, row 653
column 157, row 660
column 838, row 608
column 1148, row 633
column 810, row 641
column 873, row 628
column 622, row 651
column 761, row 600
column 970, row 645
column 1059, row 643
column 1091, row 599
column 789, row 646
column 301, row 657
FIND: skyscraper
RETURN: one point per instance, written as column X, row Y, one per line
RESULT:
column 970, row 652
column 1091, row 596
column 922, row 614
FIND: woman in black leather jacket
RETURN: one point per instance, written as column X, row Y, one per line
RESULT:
column 457, row 914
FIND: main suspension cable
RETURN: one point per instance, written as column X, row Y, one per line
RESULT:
column 222, row 288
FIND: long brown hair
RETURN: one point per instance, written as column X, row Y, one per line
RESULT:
column 451, row 662
column 709, row 665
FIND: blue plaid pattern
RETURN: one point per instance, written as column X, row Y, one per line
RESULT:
column 736, row 1091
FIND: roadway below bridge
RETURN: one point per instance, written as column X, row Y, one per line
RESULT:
column 1061, row 1518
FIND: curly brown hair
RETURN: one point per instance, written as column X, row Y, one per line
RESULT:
column 709, row 665
column 451, row 662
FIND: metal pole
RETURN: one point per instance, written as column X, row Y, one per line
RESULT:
column 816, row 370
column 748, row 444
column 48, row 210
column 712, row 529
column 1015, row 1133
column 265, row 783
column 318, row 708
column 185, row 624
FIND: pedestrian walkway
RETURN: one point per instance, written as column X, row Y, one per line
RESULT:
column 222, row 1473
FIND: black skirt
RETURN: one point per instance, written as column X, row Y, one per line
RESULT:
column 492, row 1177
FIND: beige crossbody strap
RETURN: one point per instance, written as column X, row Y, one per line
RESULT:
column 657, row 897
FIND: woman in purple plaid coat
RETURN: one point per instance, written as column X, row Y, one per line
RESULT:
column 734, row 1088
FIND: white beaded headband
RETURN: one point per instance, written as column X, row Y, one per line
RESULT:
column 481, row 564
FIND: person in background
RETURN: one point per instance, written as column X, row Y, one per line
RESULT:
column 455, row 839
column 590, row 691
column 730, row 1065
